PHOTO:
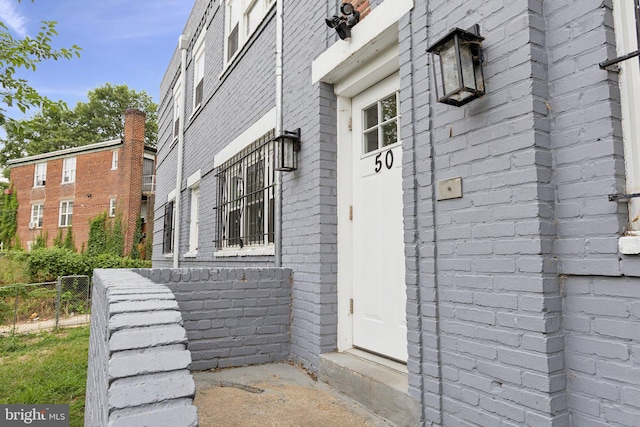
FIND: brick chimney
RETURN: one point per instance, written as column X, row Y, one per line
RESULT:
column 132, row 161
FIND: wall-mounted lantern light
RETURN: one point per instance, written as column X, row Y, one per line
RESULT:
column 343, row 24
column 457, row 66
column 287, row 146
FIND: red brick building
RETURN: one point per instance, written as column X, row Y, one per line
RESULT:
column 67, row 188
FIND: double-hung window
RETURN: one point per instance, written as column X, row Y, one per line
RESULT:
column 40, row 175
column 69, row 170
column 245, row 208
column 627, row 30
column 242, row 18
column 177, row 113
column 66, row 213
column 37, row 213
column 114, row 160
column 198, row 71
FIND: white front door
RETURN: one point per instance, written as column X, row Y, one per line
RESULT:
column 379, row 290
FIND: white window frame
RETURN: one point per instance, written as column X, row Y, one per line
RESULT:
column 194, row 221
column 112, row 207
column 629, row 80
column 40, row 174
column 257, row 9
column 65, row 219
column 198, row 69
column 37, row 214
column 177, row 111
column 114, row 160
column 68, row 170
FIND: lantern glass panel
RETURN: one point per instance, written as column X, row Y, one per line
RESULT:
column 466, row 58
column 449, row 63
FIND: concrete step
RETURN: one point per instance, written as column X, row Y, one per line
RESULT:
column 377, row 384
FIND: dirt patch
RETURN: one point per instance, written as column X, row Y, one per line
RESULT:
column 288, row 397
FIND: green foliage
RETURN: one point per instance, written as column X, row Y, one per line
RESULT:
column 8, row 218
column 69, row 242
column 97, row 243
column 25, row 54
column 41, row 241
column 45, row 265
column 99, row 119
column 54, row 363
column 148, row 249
column 57, row 241
column 115, row 236
column 137, row 239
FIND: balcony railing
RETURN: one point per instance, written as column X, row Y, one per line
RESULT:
column 148, row 183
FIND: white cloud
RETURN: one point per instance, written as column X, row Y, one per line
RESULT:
column 12, row 18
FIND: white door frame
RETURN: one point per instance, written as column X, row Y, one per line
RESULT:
column 376, row 70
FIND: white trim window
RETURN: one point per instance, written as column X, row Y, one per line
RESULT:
column 114, row 160
column 69, row 170
column 177, row 110
column 169, row 224
column 40, row 175
column 37, row 214
column 627, row 29
column 66, row 213
column 194, row 222
column 242, row 18
column 245, row 197
column 112, row 207
column 198, row 71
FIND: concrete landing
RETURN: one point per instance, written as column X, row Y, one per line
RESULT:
column 279, row 395
column 381, row 386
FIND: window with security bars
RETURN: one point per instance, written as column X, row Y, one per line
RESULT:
column 245, row 208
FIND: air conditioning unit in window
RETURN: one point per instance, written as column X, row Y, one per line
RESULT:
column 32, row 225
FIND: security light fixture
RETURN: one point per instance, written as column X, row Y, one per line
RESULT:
column 343, row 24
column 457, row 66
column 287, row 146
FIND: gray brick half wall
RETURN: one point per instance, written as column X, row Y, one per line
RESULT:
column 233, row 316
column 138, row 362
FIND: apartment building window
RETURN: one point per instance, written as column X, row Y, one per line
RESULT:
column 114, row 160
column 198, row 70
column 112, row 207
column 245, row 208
column 69, row 170
column 177, row 112
column 167, row 238
column 194, row 222
column 40, row 175
column 627, row 30
column 242, row 19
column 37, row 213
column 66, row 213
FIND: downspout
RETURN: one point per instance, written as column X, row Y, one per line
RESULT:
column 278, row 131
column 182, row 44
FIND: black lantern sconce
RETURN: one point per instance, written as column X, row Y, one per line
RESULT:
column 287, row 146
column 459, row 58
column 343, row 24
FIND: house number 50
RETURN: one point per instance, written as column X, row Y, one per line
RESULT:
column 388, row 161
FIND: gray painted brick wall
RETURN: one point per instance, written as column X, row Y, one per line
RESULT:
column 138, row 360
column 233, row 317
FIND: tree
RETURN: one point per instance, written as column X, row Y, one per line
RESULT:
column 27, row 53
column 99, row 119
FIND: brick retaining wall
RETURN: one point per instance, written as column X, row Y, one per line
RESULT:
column 233, row 316
column 138, row 361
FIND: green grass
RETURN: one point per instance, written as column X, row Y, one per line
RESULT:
column 47, row 368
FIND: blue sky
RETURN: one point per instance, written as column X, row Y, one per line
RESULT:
column 124, row 42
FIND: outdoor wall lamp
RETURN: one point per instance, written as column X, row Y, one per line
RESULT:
column 458, row 74
column 343, row 24
column 287, row 146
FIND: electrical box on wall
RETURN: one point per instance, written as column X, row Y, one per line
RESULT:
column 450, row 189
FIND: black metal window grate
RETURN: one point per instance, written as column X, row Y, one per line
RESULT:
column 245, row 209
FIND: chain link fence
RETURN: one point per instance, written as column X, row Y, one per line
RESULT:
column 43, row 306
